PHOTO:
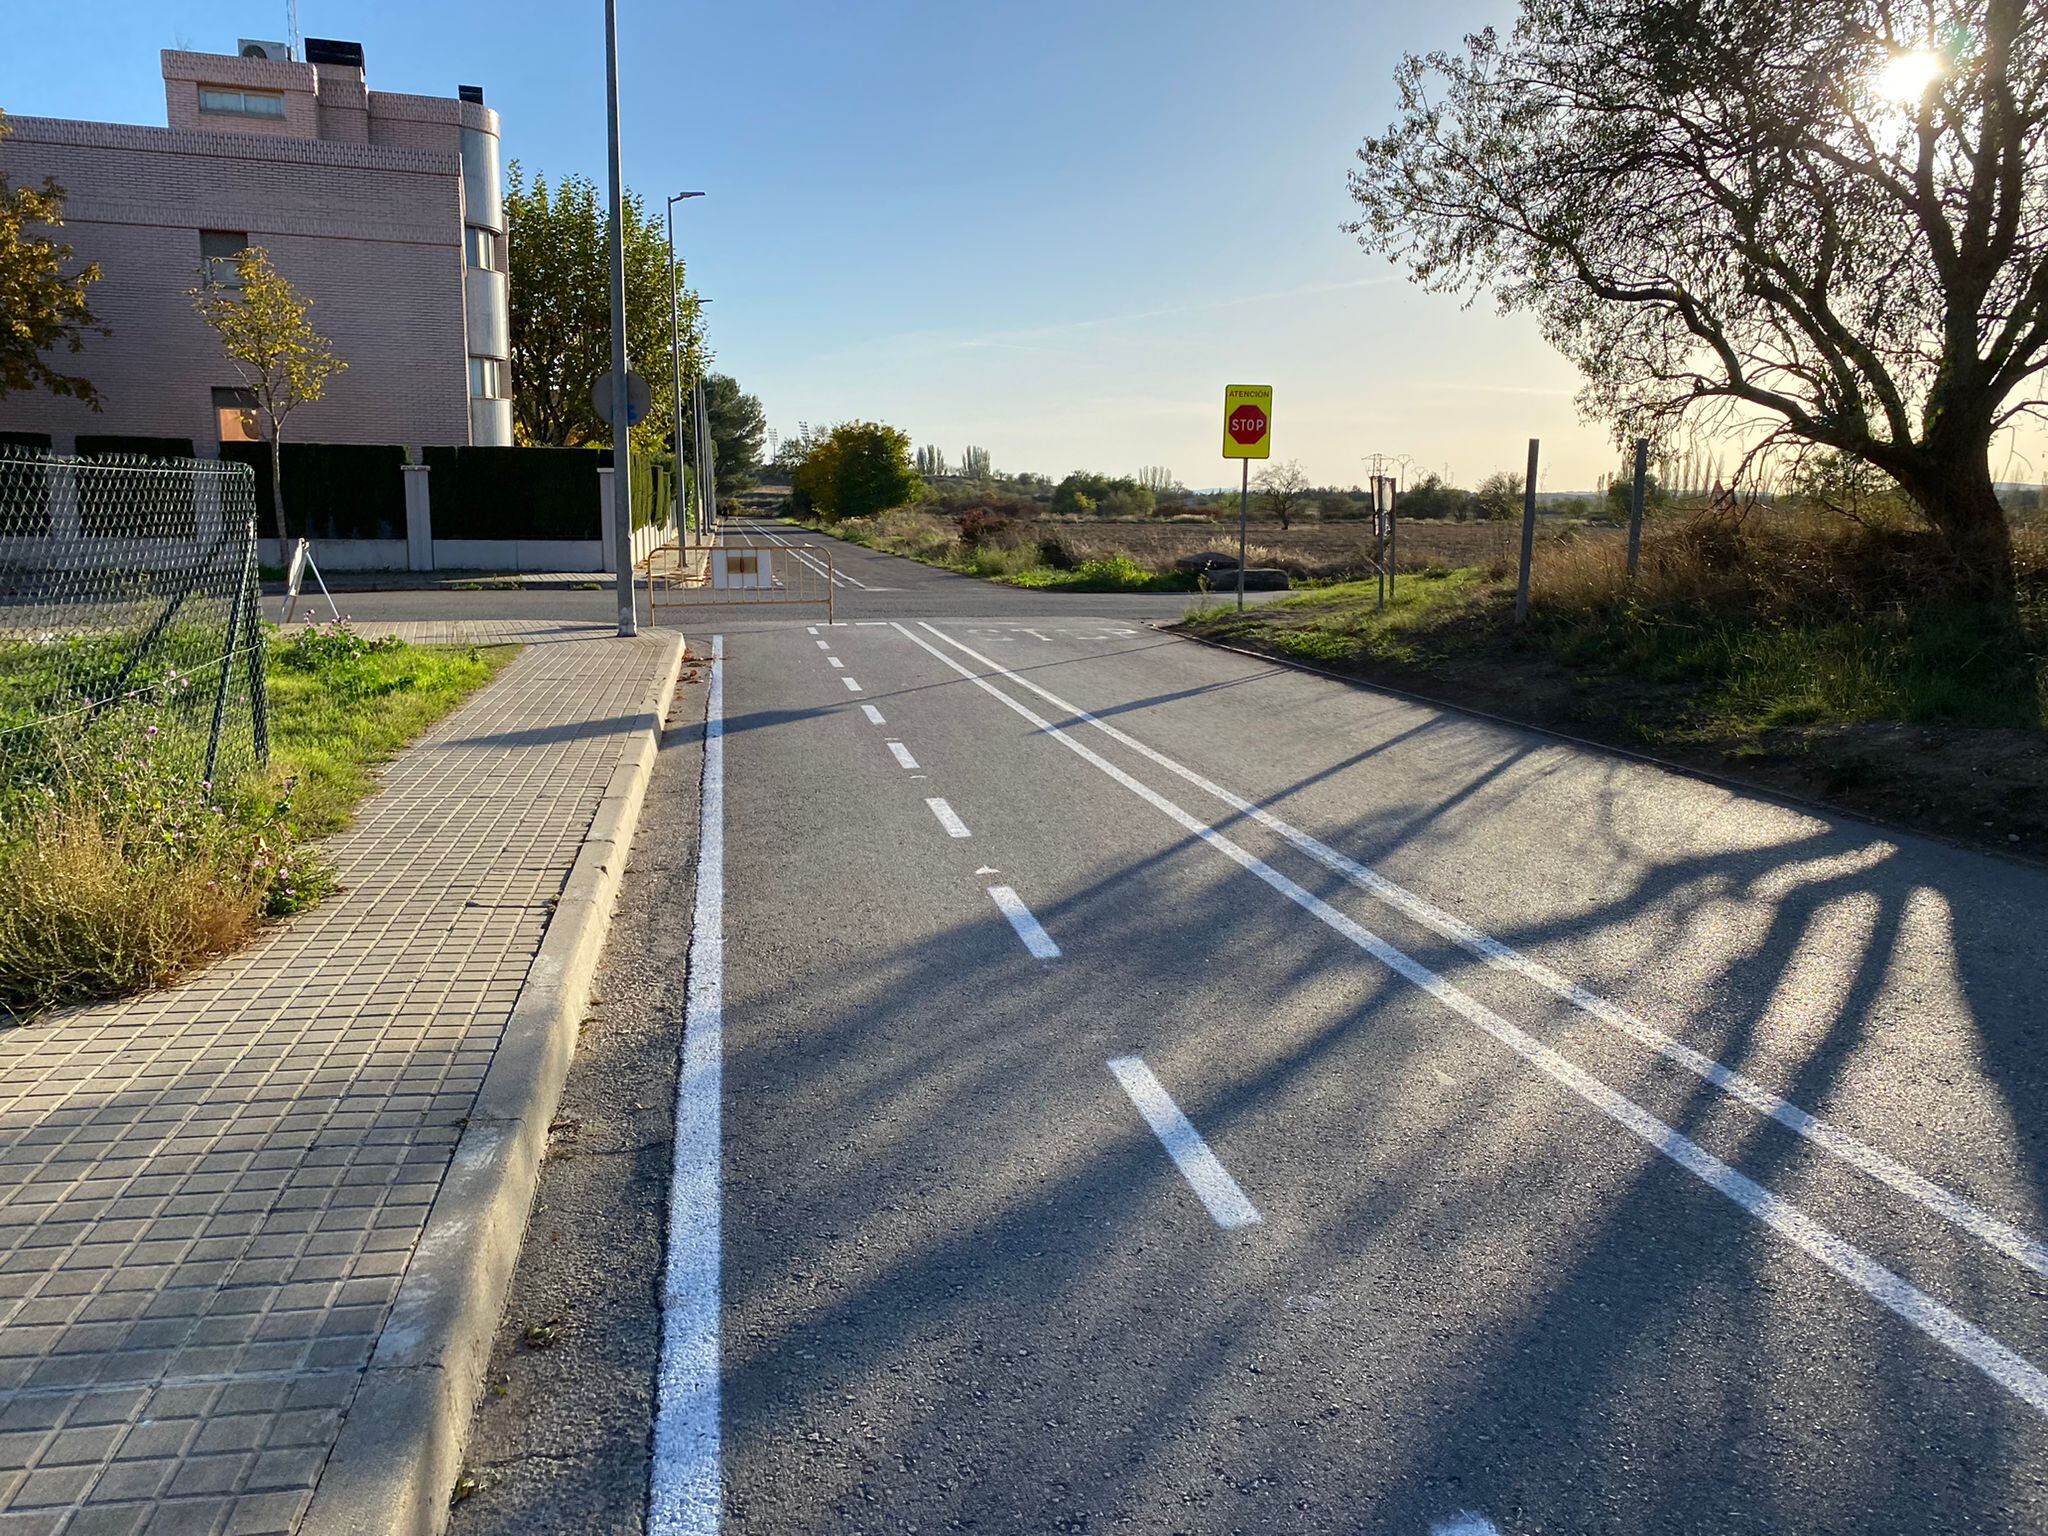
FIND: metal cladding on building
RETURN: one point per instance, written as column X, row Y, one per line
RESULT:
column 384, row 210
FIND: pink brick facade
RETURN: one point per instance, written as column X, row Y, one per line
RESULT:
column 360, row 198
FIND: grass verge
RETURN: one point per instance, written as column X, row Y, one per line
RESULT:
column 1806, row 657
column 124, row 871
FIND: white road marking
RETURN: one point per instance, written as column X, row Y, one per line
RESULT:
column 1035, row 938
column 838, row 577
column 1945, row 1327
column 902, row 755
column 1034, row 634
column 1465, row 1523
column 950, row 820
column 684, row 1495
column 851, row 685
column 1203, row 1170
column 869, row 623
column 874, row 715
column 988, row 869
column 1942, row 1201
column 823, row 645
column 810, row 629
column 835, row 663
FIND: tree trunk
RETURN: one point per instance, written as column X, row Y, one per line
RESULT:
column 284, row 548
column 1954, row 491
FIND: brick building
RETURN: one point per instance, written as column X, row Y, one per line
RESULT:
column 385, row 210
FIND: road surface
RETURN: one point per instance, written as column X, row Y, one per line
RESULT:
column 1138, row 1088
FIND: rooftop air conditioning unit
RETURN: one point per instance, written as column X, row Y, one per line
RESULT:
column 257, row 48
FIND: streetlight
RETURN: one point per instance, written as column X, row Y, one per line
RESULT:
column 675, row 331
column 622, row 438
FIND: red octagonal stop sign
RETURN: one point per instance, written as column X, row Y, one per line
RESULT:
column 1247, row 424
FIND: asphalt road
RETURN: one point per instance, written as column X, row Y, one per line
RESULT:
column 1295, row 1109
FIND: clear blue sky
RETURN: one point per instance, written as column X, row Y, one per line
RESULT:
column 1056, row 230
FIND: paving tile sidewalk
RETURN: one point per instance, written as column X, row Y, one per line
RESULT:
column 209, row 1196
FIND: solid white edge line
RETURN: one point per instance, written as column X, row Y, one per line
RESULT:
column 1226, row 1203
column 1949, row 1329
column 1936, row 1198
column 874, row 715
column 685, row 1494
column 1035, row 938
column 902, row 755
column 948, row 818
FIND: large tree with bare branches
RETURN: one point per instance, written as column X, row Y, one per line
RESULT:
column 1827, row 218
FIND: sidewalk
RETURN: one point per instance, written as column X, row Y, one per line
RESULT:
column 211, row 1197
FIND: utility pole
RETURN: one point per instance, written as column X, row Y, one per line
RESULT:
column 675, row 333
column 622, row 435
column 1528, row 535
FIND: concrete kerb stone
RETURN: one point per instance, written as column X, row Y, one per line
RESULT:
column 400, row 1448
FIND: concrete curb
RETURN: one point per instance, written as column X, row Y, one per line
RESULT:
column 400, row 1448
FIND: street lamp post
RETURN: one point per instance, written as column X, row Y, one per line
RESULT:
column 675, row 331
column 622, row 437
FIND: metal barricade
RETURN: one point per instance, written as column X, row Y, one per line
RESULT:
column 741, row 573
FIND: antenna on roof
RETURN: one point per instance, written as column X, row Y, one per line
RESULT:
column 292, row 21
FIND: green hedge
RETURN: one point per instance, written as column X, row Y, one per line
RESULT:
column 654, row 490
column 515, row 493
column 166, row 506
column 331, row 490
column 95, row 444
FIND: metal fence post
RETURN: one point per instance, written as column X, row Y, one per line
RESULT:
column 1528, row 535
column 1635, row 506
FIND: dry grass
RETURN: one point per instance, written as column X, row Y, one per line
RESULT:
column 88, row 907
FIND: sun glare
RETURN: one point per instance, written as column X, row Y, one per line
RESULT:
column 1907, row 76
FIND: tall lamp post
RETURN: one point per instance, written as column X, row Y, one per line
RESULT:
column 675, row 332
column 622, row 438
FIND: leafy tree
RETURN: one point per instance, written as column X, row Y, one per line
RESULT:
column 1283, row 488
column 857, row 469
column 42, row 306
column 1434, row 497
column 1799, row 213
column 738, row 425
column 931, row 462
column 282, row 360
column 1157, row 479
column 1499, row 496
column 974, row 463
column 559, row 265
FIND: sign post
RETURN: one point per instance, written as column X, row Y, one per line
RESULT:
column 1247, row 435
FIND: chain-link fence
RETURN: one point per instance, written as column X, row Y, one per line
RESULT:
column 128, row 609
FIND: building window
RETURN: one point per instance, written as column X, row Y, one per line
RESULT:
column 218, row 249
column 234, row 410
column 226, row 103
column 483, row 248
column 486, row 378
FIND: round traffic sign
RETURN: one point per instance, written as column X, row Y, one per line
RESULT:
column 639, row 401
column 1247, row 424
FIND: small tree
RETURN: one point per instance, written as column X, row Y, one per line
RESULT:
column 283, row 361
column 1282, row 490
column 974, row 463
column 1499, row 496
column 42, row 307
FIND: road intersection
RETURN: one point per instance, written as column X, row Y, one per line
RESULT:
column 1152, row 1089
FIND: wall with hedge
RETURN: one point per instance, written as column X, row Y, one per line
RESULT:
column 515, row 493
column 331, row 490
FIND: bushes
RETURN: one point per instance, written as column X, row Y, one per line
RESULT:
column 1085, row 495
